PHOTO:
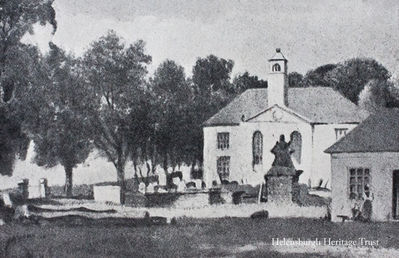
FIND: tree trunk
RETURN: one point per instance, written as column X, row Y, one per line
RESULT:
column 122, row 183
column 68, row 181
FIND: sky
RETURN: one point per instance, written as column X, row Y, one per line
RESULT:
column 310, row 33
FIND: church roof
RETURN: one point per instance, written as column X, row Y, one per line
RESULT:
column 378, row 133
column 316, row 104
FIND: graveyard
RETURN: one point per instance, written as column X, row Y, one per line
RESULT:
column 281, row 219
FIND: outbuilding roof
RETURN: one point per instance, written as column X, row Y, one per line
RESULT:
column 317, row 104
column 378, row 133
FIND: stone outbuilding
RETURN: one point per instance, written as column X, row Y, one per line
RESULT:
column 367, row 160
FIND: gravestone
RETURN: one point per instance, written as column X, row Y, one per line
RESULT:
column 282, row 176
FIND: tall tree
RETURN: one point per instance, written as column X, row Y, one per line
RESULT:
column 18, row 63
column 57, row 121
column 17, row 18
column 319, row 76
column 115, row 74
column 351, row 76
column 212, row 75
column 245, row 81
column 212, row 90
column 377, row 95
column 173, row 97
column 296, row 80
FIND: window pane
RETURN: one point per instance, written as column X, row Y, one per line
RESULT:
column 359, row 189
column 352, row 188
column 223, row 140
column 360, row 171
column 223, row 167
column 352, row 171
column 367, row 171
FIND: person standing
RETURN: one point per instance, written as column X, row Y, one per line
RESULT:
column 367, row 203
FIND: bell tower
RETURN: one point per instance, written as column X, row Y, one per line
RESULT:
column 277, row 81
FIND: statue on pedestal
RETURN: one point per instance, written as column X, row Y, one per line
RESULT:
column 282, row 153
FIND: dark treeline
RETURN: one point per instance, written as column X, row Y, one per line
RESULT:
column 363, row 81
column 106, row 100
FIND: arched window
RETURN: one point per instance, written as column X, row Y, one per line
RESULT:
column 296, row 145
column 276, row 68
column 257, row 148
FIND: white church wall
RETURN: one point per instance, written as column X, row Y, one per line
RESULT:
column 240, row 151
column 323, row 137
column 271, row 133
column 211, row 152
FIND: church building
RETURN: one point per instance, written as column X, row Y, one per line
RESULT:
column 238, row 138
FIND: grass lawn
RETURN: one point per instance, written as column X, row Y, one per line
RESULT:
column 188, row 238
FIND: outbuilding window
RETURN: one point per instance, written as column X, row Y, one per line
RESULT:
column 257, row 148
column 358, row 179
column 223, row 167
column 223, row 141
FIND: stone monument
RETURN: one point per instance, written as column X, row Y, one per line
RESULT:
column 282, row 178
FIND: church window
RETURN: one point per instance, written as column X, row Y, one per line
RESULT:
column 223, row 167
column 223, row 141
column 358, row 179
column 257, row 148
column 340, row 132
column 276, row 68
column 296, row 145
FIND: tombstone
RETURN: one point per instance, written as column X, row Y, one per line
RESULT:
column 23, row 187
column 181, row 186
column 43, row 188
column 176, row 180
column 142, row 187
column 162, row 190
column 7, row 200
column 21, row 211
column 191, row 185
column 150, row 188
column 198, row 183
column 281, row 177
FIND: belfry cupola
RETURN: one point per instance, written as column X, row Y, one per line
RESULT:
column 277, row 80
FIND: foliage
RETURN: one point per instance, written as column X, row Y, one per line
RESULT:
column 212, row 91
column 378, row 95
column 57, row 121
column 351, row 76
column 173, row 98
column 17, row 72
column 246, row 81
column 115, row 76
column 296, row 80
column 319, row 76
column 212, row 74
column 17, row 17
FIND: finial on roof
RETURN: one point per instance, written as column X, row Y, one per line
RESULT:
column 278, row 50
